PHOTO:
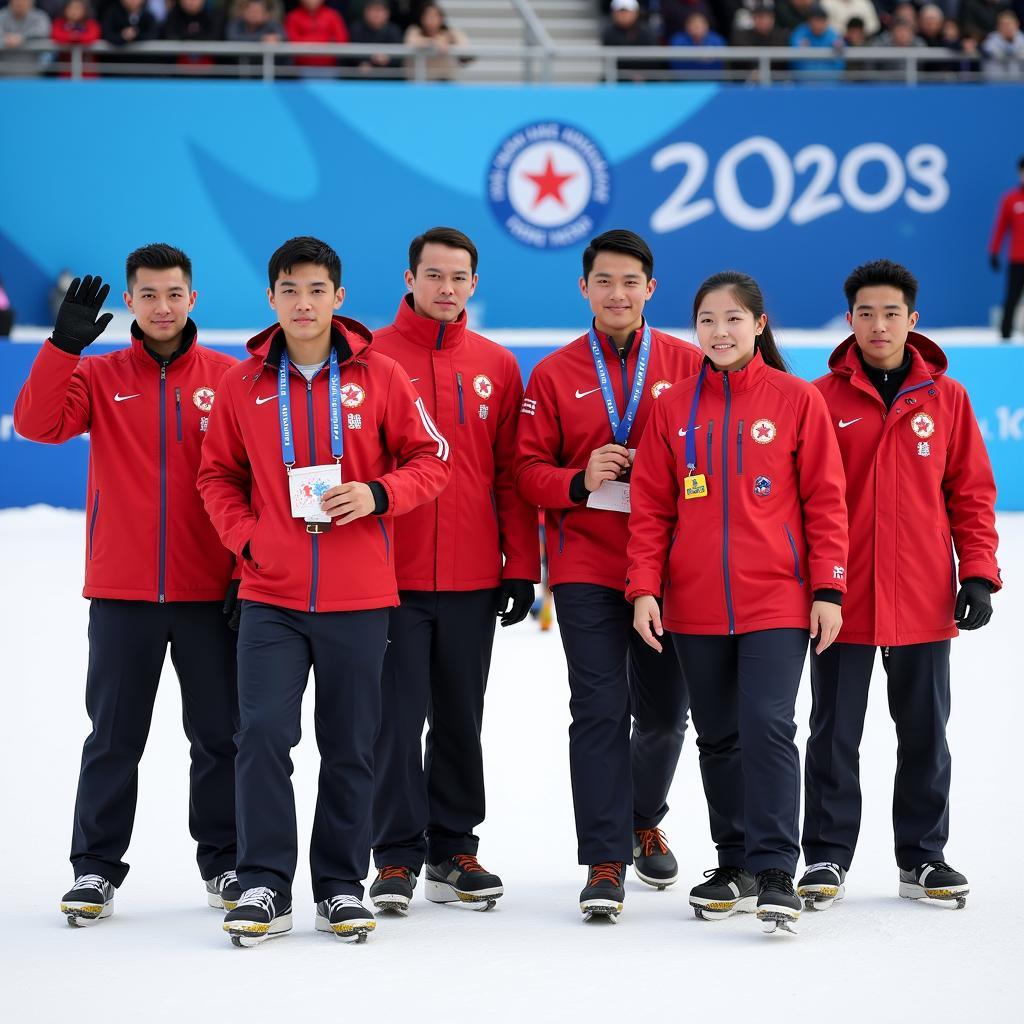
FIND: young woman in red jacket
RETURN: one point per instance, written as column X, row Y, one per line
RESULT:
column 739, row 527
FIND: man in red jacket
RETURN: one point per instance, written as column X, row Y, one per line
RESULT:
column 1010, row 221
column 317, row 443
column 312, row 21
column 584, row 412
column 919, row 484
column 155, row 570
column 460, row 560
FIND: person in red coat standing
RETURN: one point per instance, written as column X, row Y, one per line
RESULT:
column 919, row 485
column 1010, row 221
column 156, row 574
column 314, row 22
column 76, row 27
column 461, row 559
column 585, row 409
column 739, row 525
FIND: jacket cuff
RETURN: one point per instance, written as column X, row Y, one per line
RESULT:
column 380, row 497
column 829, row 595
column 980, row 570
column 643, row 583
column 521, row 570
column 577, row 487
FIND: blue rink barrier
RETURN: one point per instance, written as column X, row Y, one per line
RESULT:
column 55, row 474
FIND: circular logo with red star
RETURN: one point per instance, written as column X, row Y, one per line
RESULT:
column 482, row 386
column 660, row 386
column 549, row 185
column 923, row 425
column 352, row 396
column 763, row 431
column 203, row 398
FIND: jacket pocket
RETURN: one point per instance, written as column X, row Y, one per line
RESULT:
column 92, row 520
column 796, row 556
column 177, row 410
column 462, row 405
column 668, row 559
column 948, row 544
column 561, row 530
column 387, row 541
column 711, row 429
column 739, row 449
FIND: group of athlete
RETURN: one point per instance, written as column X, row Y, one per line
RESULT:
column 364, row 505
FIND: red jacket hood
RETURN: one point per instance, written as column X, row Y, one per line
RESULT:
column 426, row 332
column 351, row 332
column 844, row 361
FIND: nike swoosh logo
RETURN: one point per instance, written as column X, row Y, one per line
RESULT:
column 849, row 423
column 583, row 394
column 263, row 401
column 412, row 380
column 123, row 398
column 682, row 433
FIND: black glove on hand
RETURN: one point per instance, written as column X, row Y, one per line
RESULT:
column 232, row 606
column 978, row 594
column 994, row 261
column 520, row 593
column 77, row 325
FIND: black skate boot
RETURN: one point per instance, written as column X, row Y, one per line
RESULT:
column 821, row 885
column 346, row 917
column 604, row 893
column 90, row 899
column 462, row 879
column 935, row 880
column 259, row 914
column 727, row 891
column 223, row 891
column 778, row 906
column 653, row 862
column 392, row 889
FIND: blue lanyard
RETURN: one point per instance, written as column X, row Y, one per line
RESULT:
column 284, row 409
column 621, row 428
column 691, row 441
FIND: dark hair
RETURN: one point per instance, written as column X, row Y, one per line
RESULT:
column 304, row 249
column 158, row 256
column 629, row 243
column 748, row 294
column 452, row 237
column 881, row 272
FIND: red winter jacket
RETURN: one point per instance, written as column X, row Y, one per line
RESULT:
column 771, row 529
column 1010, row 219
column 472, row 389
column 148, row 537
column 564, row 419
column 917, row 477
column 324, row 25
column 243, row 479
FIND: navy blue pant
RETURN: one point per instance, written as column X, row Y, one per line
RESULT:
column 918, row 685
column 620, row 781
column 743, row 698
column 276, row 649
column 127, row 644
column 435, row 671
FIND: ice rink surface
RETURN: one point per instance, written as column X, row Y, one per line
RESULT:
column 163, row 957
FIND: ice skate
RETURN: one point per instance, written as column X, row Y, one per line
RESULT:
column 653, row 862
column 935, row 880
column 260, row 914
column 462, row 879
column 821, row 885
column 778, row 906
column 392, row 889
column 604, row 893
column 346, row 917
column 223, row 891
column 727, row 891
column 90, row 899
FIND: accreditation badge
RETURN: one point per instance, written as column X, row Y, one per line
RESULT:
column 611, row 496
column 695, row 487
column 306, row 486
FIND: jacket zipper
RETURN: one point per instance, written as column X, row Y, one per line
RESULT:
column 440, row 334
column 796, row 557
column 92, row 520
column 625, row 382
column 725, row 506
column 739, row 449
column 458, row 382
column 177, row 410
column 711, row 428
column 161, row 576
column 314, row 538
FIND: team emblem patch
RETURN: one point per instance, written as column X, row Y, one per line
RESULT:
column 482, row 386
column 203, row 398
column 762, row 486
column 923, row 425
column 355, row 421
column 924, row 449
column 529, row 407
column 484, row 411
column 838, row 572
column 763, row 431
column 352, row 396
column 659, row 387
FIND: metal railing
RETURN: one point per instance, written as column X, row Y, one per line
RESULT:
column 541, row 60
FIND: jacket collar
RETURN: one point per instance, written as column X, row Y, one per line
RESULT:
column 927, row 362
column 184, row 354
column 739, row 380
column 349, row 338
column 612, row 349
column 421, row 330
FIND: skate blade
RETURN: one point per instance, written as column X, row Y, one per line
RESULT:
column 953, row 894
column 248, row 935
column 392, row 904
column 442, row 892
column 720, row 910
column 603, row 911
column 820, row 897
column 348, row 931
column 778, row 920
column 661, row 884
column 82, row 915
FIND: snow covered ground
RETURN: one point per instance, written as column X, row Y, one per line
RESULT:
column 163, row 957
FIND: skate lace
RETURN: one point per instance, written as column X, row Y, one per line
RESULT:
column 224, row 880
column 652, row 840
column 824, row 865
column 90, row 882
column 774, row 880
column 939, row 865
column 336, row 902
column 259, row 897
column 610, row 871
column 468, row 863
column 393, row 871
column 723, row 875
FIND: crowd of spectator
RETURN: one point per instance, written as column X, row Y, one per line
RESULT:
column 417, row 23
column 983, row 34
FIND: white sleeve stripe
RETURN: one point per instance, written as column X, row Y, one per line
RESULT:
column 431, row 429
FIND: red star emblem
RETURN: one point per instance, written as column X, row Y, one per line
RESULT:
column 763, row 430
column 921, row 423
column 549, row 183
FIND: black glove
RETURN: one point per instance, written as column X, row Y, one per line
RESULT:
column 978, row 594
column 994, row 260
column 77, row 325
column 520, row 593
column 232, row 606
